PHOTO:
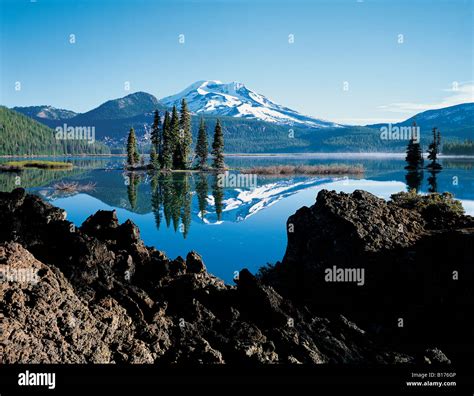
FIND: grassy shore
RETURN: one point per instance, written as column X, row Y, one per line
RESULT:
column 20, row 165
column 333, row 169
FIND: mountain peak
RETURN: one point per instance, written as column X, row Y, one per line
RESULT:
column 128, row 106
column 141, row 95
column 234, row 99
column 46, row 112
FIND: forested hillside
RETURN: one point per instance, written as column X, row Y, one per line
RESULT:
column 21, row 135
column 459, row 148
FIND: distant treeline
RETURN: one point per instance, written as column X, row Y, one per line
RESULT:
column 459, row 148
column 21, row 135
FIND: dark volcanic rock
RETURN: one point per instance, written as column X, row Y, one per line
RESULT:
column 103, row 225
column 46, row 322
column 194, row 263
column 101, row 295
column 417, row 254
column 342, row 226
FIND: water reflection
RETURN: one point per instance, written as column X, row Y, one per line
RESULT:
column 132, row 182
column 433, row 181
column 202, row 188
column 413, row 179
column 218, row 194
column 171, row 196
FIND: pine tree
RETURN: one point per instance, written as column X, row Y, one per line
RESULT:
column 185, row 138
column 156, row 140
column 414, row 157
column 132, row 150
column 167, row 155
column 154, row 158
column 202, row 148
column 433, row 150
column 218, row 147
column 174, row 135
column 154, row 129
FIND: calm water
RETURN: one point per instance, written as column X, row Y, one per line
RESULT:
column 235, row 226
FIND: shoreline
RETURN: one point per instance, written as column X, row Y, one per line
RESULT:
column 322, row 155
column 141, row 306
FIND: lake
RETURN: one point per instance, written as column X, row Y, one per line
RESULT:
column 232, row 227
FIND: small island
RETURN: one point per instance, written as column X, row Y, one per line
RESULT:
column 15, row 166
column 171, row 145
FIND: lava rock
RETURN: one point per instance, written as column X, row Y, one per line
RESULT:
column 102, row 296
column 194, row 263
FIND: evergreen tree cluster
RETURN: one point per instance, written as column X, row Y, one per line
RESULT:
column 171, row 142
column 414, row 156
column 414, row 159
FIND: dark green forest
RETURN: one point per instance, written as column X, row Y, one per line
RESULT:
column 459, row 148
column 21, row 135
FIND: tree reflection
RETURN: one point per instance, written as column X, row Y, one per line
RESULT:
column 433, row 181
column 156, row 198
column 132, row 188
column 218, row 194
column 171, row 198
column 202, row 186
column 414, row 179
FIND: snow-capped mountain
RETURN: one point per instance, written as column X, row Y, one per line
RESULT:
column 236, row 100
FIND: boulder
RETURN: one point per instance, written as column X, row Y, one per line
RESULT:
column 194, row 263
column 410, row 253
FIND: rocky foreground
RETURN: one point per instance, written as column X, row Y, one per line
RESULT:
column 97, row 294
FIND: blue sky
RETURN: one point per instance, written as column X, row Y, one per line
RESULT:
column 389, row 76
